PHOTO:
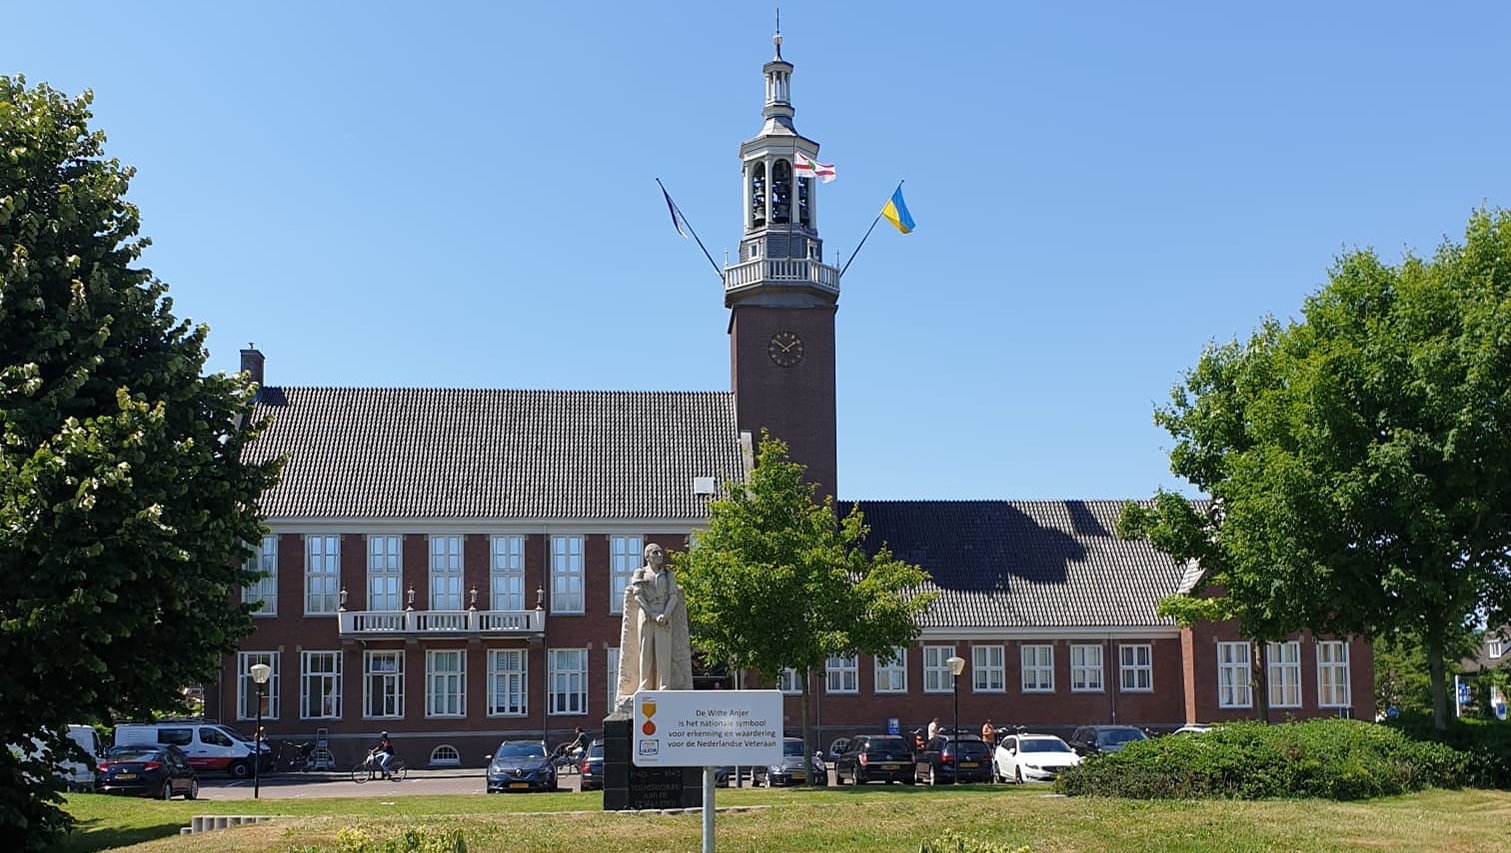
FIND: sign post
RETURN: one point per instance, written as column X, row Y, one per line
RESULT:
column 708, row 729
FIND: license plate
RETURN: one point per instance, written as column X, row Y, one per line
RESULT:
column 891, row 766
column 519, row 786
column 969, row 764
column 798, row 777
column 125, row 775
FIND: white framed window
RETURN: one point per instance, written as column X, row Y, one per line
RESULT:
column 446, row 573
column 1136, row 668
column 1332, row 674
column 1495, row 648
column 568, row 677
column 445, row 755
column 612, row 661
column 1038, row 669
column 988, row 669
column 566, row 575
column 936, row 673
column 1284, row 674
column 1086, row 668
column 789, row 682
column 506, row 573
column 842, row 674
column 264, row 590
column 319, row 685
column 507, row 679
column 385, row 573
column 246, row 688
column 1233, row 681
column 625, row 554
column 383, row 684
column 322, row 574
column 892, row 672
column 445, row 683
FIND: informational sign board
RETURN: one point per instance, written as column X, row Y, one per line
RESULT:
column 707, row 728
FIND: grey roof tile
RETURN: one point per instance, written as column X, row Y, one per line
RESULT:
column 420, row 453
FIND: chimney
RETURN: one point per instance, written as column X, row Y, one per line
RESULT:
column 251, row 362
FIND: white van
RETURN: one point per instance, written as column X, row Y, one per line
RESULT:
column 76, row 775
column 210, row 746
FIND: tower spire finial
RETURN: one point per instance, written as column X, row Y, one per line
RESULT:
column 777, row 39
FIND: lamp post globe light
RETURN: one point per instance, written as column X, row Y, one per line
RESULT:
column 957, row 666
column 260, row 673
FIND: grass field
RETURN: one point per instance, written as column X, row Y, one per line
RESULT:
column 845, row 820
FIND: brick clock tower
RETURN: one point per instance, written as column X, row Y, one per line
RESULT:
column 781, row 295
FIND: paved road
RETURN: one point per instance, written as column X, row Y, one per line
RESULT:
column 292, row 786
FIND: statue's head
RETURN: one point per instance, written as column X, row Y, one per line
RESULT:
column 654, row 556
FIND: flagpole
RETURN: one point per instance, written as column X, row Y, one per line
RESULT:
column 718, row 272
column 868, row 235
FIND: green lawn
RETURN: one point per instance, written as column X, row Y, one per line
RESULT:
column 875, row 819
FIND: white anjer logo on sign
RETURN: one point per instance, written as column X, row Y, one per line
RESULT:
column 707, row 728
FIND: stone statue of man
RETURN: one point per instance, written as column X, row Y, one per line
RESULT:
column 654, row 650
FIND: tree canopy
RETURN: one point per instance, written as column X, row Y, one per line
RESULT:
column 1358, row 459
column 125, row 508
column 779, row 582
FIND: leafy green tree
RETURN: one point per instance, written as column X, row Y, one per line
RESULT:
column 125, row 510
column 1359, row 460
column 778, row 581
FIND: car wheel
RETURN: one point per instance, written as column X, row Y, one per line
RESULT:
column 933, row 777
column 240, row 770
column 193, row 792
column 1018, row 775
column 167, row 792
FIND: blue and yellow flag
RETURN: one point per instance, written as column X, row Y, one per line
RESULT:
column 896, row 212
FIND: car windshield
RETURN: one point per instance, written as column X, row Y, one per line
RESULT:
column 971, row 749
column 1115, row 736
column 520, row 750
column 885, row 744
column 792, row 747
column 595, row 749
column 132, row 753
column 1046, row 745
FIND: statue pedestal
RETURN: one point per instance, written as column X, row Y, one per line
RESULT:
column 626, row 786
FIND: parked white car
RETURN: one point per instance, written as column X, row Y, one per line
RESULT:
column 1031, row 758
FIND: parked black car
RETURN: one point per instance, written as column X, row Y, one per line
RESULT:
column 592, row 767
column 521, row 765
column 950, row 758
column 160, row 771
column 1089, row 740
column 874, row 758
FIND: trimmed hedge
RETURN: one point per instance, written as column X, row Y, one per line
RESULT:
column 1330, row 759
column 1488, row 743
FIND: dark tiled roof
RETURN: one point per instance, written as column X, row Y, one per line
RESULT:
column 415, row 453
column 1026, row 564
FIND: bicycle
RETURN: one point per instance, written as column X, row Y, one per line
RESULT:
column 295, row 756
column 367, row 769
column 566, row 763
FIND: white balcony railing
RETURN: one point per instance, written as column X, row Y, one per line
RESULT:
column 782, row 271
column 430, row 623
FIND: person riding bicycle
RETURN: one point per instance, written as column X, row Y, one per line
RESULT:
column 576, row 746
column 382, row 753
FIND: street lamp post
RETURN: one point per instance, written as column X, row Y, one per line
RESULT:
column 260, row 673
column 957, row 666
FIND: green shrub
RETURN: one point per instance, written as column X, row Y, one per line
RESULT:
column 951, row 841
column 410, row 840
column 1487, row 742
column 1330, row 759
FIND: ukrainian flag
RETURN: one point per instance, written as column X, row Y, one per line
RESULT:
column 896, row 212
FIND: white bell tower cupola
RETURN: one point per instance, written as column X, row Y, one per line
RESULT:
column 781, row 255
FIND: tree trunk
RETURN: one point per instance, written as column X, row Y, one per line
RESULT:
column 1437, row 673
column 1260, row 680
column 807, row 735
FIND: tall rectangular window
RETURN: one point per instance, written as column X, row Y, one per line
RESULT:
column 1495, row 648
column 320, row 685
column 1284, row 674
column 446, row 573
column 1332, row 674
column 568, row 676
column 936, row 672
column 988, row 669
column 385, row 579
column 625, row 554
column 383, row 684
column 446, row 683
column 842, row 674
column 892, row 672
column 1086, row 668
column 246, row 689
column 322, row 574
column 506, row 683
column 566, row 575
column 789, row 681
column 264, row 591
column 1233, row 679
column 1136, row 668
column 1038, row 669
column 506, row 573
column 612, row 660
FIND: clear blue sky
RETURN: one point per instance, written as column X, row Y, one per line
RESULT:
column 462, row 194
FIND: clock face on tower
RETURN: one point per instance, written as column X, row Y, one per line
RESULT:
column 785, row 349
